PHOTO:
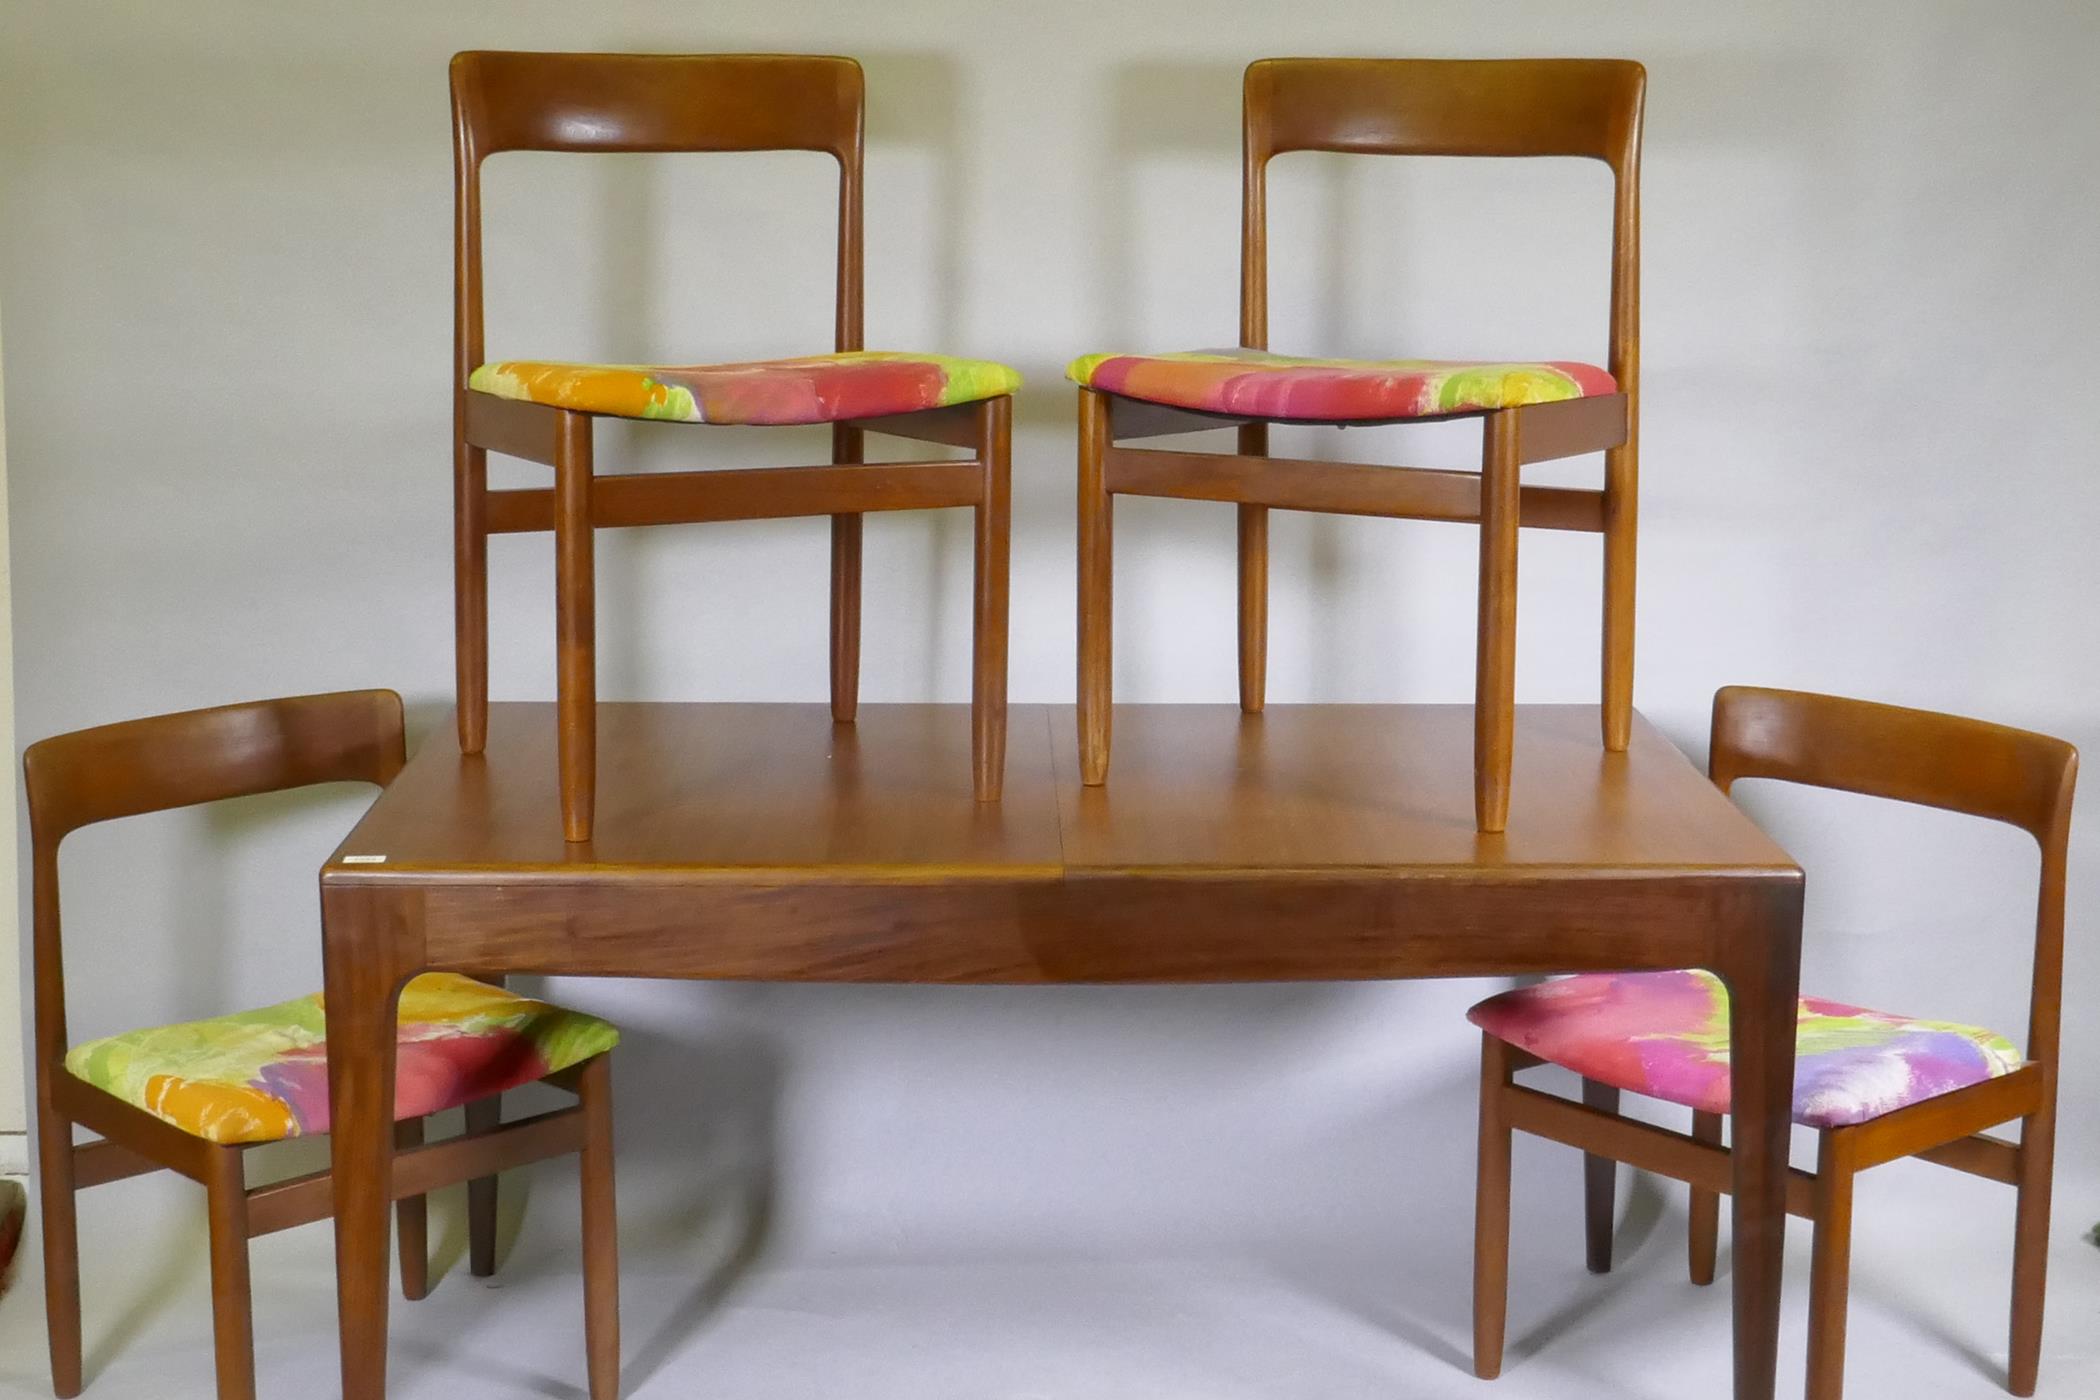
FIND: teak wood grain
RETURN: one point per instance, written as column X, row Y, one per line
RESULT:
column 695, row 103
column 1960, row 765
column 200, row 756
column 1585, row 108
column 1315, row 842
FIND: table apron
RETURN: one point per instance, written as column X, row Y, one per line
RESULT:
column 1099, row 928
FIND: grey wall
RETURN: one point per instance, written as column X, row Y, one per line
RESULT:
column 1870, row 468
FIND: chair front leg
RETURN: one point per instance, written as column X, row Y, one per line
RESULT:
column 1495, row 673
column 56, row 1194
column 470, row 589
column 846, row 446
column 1096, row 568
column 1491, row 1213
column 1621, row 510
column 575, row 625
column 1599, row 1184
column 1830, row 1268
column 601, row 1242
column 2031, row 1245
column 232, row 1307
column 1254, row 584
column 993, row 555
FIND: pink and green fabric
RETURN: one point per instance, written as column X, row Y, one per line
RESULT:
column 1257, row 384
column 257, row 1076
column 812, row 389
column 1665, row 1034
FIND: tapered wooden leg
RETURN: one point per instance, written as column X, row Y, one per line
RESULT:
column 1621, row 511
column 1254, row 584
column 601, row 1242
column 1096, row 568
column 470, row 591
column 56, row 1192
column 1491, row 1214
column 575, row 626
column 368, row 945
column 412, row 1223
column 1764, row 983
column 846, row 445
column 1599, row 1180
column 1495, row 673
column 232, row 1308
column 1830, row 1270
column 994, row 547
column 483, row 1116
column 2031, row 1245
column 1706, row 1208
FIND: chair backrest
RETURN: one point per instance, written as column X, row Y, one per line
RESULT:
column 1935, row 760
column 649, row 102
column 1448, row 107
column 181, row 760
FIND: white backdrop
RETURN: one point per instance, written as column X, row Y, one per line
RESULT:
column 1870, row 439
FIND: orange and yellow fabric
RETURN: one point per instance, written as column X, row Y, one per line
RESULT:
column 1257, row 384
column 811, row 389
column 257, row 1076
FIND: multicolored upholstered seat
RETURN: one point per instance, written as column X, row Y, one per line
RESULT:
column 1665, row 1034
column 1258, row 384
column 257, row 1076
column 810, row 389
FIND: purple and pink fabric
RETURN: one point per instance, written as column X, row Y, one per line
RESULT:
column 1665, row 1034
column 1257, row 384
column 811, row 389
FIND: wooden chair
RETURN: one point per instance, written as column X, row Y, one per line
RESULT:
column 543, row 412
column 1666, row 1035
column 193, row 1098
column 1530, row 412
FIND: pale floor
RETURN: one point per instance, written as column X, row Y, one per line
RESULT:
column 1383, row 1318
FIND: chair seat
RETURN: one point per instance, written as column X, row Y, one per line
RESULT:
column 257, row 1076
column 1257, row 384
column 1665, row 1034
column 811, row 389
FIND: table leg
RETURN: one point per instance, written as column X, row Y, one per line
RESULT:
column 1763, row 985
column 364, row 963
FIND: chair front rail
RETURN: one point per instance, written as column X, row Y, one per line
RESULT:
column 300, row 1200
column 1337, row 488
column 756, row 493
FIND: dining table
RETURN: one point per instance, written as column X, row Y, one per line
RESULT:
column 763, row 841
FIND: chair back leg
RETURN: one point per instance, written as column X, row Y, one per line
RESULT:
column 232, row 1306
column 1830, row 1267
column 483, row 1116
column 2031, row 1249
column 601, row 1241
column 1706, row 1208
column 1491, row 1213
column 1599, row 1183
column 412, row 1223
column 55, row 1190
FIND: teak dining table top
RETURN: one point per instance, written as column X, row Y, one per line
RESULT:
column 1308, row 842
